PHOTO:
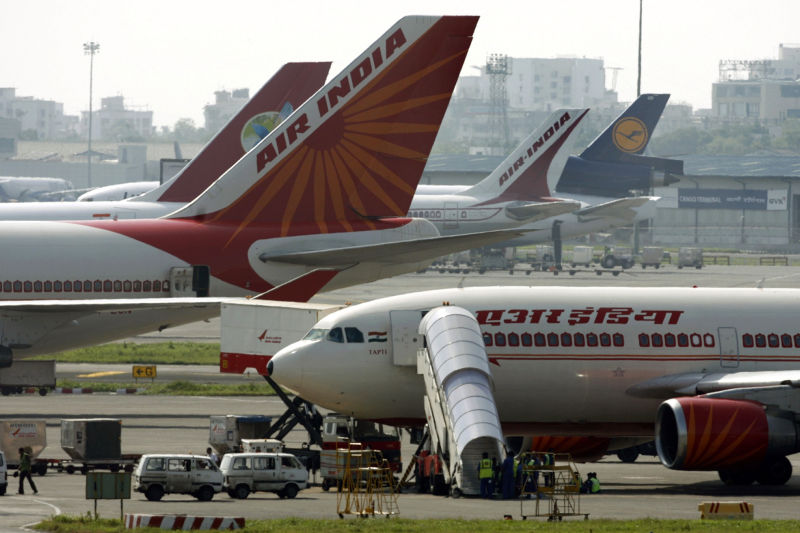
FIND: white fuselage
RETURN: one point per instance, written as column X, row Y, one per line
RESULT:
column 95, row 210
column 454, row 211
column 549, row 377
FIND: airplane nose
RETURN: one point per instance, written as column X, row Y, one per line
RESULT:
column 286, row 368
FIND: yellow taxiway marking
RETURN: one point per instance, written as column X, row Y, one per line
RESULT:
column 102, row 374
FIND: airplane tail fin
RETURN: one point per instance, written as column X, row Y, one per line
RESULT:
column 630, row 132
column 355, row 151
column 292, row 85
column 531, row 171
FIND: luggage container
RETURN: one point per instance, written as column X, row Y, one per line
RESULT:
column 262, row 445
column 652, row 256
column 227, row 431
column 582, row 255
column 690, row 257
column 24, row 374
column 94, row 443
column 16, row 434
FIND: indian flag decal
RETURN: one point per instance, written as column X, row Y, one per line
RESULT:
column 377, row 336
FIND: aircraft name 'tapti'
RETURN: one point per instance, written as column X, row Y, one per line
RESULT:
column 535, row 147
column 332, row 98
column 587, row 315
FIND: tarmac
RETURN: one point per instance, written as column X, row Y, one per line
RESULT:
column 180, row 424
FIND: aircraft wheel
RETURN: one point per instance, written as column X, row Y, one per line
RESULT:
column 774, row 471
column 628, row 455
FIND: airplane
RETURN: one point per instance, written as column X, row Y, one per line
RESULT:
column 118, row 191
column 318, row 204
column 292, row 85
column 586, row 370
column 31, row 189
column 596, row 184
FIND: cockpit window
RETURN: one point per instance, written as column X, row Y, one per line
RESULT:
column 353, row 335
column 315, row 334
column 335, row 335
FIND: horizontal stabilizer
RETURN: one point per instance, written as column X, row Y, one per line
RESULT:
column 411, row 251
column 623, row 208
column 301, row 288
column 534, row 211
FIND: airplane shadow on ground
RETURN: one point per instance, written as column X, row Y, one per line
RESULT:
column 705, row 488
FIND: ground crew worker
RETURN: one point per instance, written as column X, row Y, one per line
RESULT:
column 507, row 477
column 25, row 470
column 429, row 471
column 485, row 473
column 421, row 477
column 595, row 487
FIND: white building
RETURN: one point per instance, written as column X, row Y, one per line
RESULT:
column 39, row 119
column 225, row 106
column 113, row 121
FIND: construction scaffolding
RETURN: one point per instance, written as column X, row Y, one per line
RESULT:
column 498, row 68
column 367, row 483
column 551, row 484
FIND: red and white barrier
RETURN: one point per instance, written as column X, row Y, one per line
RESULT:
column 183, row 522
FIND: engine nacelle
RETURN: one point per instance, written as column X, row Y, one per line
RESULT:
column 713, row 433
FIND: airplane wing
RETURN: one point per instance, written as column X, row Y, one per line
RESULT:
column 692, row 384
column 534, row 211
column 623, row 208
column 411, row 251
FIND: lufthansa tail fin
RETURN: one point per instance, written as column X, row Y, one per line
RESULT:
column 630, row 132
column 532, row 170
column 355, row 150
column 292, row 85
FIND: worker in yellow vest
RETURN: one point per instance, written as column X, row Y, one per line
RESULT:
column 485, row 473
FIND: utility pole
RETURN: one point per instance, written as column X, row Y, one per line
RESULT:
column 91, row 48
column 639, row 77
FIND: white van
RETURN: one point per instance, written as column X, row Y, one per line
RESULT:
column 281, row 473
column 156, row 475
column 3, row 474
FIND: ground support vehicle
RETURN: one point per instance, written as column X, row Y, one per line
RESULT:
column 340, row 431
column 652, row 256
column 617, row 256
column 280, row 473
column 582, row 256
column 26, row 374
column 226, row 432
column 159, row 474
column 690, row 257
column 93, row 444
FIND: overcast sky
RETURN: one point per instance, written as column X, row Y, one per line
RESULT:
column 169, row 56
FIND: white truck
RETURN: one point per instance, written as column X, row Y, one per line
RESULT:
column 280, row 473
column 24, row 374
column 159, row 474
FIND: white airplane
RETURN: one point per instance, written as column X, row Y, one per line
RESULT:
column 518, row 190
column 118, row 191
column 712, row 374
column 31, row 189
column 292, row 85
column 318, row 204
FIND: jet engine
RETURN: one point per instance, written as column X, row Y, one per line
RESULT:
column 736, row 437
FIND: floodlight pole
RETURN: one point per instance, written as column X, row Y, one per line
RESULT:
column 90, row 49
column 639, row 76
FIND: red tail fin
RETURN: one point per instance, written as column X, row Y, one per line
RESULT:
column 357, row 148
column 292, row 85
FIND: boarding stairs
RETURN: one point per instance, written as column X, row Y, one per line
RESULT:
column 459, row 403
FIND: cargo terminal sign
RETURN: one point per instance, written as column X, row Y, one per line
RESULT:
column 754, row 199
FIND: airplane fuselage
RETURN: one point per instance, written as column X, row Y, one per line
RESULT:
column 563, row 359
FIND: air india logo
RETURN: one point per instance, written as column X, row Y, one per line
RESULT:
column 630, row 134
column 260, row 125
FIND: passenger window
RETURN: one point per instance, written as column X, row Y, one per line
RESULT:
column 527, row 339
column 6, row 286
column 353, row 335
column 539, row 340
column 487, row 339
column 513, row 339
column 747, row 340
column 566, row 339
column 77, row 286
column 683, row 340
column 87, row 286
column 137, row 286
column 552, row 339
column 708, row 340
column 28, row 286
column 335, row 335
column 155, row 464
column 98, row 286
column 644, row 340
column 37, row 286
column 241, row 463
column 48, row 286
column 658, row 341
column 773, row 340
column 605, row 339
column 619, row 340
column 761, row 340
column 786, row 340
column 500, row 339
column 287, row 462
column 147, row 286
column 56, row 286
column 579, row 340
column 179, row 465
column 67, row 286
column 591, row 339
column 797, row 340
column 17, row 286
column 669, row 340
column 107, row 287
column 156, row 286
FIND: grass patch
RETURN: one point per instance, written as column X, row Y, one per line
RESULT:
column 84, row 524
column 176, row 388
column 165, row 353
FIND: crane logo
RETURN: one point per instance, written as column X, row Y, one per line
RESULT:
column 630, row 134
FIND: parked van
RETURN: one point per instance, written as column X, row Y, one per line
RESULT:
column 281, row 473
column 156, row 475
column 3, row 474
